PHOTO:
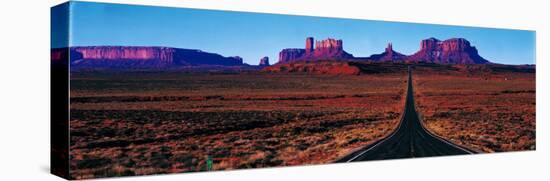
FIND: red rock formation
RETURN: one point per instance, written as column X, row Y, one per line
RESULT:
column 119, row 53
column 129, row 57
column 291, row 54
column 451, row 51
column 329, row 49
column 388, row 55
column 389, row 49
column 264, row 62
column 309, row 45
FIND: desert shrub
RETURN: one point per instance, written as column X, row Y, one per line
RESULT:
column 92, row 163
column 106, row 132
column 160, row 160
column 442, row 115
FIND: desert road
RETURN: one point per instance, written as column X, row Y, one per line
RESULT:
column 409, row 140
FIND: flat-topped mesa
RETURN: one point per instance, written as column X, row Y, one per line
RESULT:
column 329, row 49
column 455, row 44
column 451, row 51
column 388, row 55
column 130, row 57
column 119, row 53
column 291, row 54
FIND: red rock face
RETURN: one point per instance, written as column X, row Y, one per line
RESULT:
column 451, row 51
column 130, row 57
column 329, row 45
column 388, row 55
column 119, row 53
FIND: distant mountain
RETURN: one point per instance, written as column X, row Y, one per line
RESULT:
column 141, row 57
column 432, row 50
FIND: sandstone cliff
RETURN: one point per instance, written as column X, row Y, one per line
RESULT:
column 131, row 57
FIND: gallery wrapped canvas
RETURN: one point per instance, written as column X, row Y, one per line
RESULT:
column 140, row 90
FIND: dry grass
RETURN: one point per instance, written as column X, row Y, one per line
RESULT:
column 150, row 123
column 491, row 112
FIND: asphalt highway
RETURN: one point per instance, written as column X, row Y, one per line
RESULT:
column 409, row 140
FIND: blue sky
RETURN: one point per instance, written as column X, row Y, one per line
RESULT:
column 253, row 35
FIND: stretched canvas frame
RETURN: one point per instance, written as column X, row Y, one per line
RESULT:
column 139, row 90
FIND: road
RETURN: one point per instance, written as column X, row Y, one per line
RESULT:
column 409, row 140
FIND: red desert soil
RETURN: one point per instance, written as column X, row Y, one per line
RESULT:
column 320, row 67
column 150, row 123
column 490, row 112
